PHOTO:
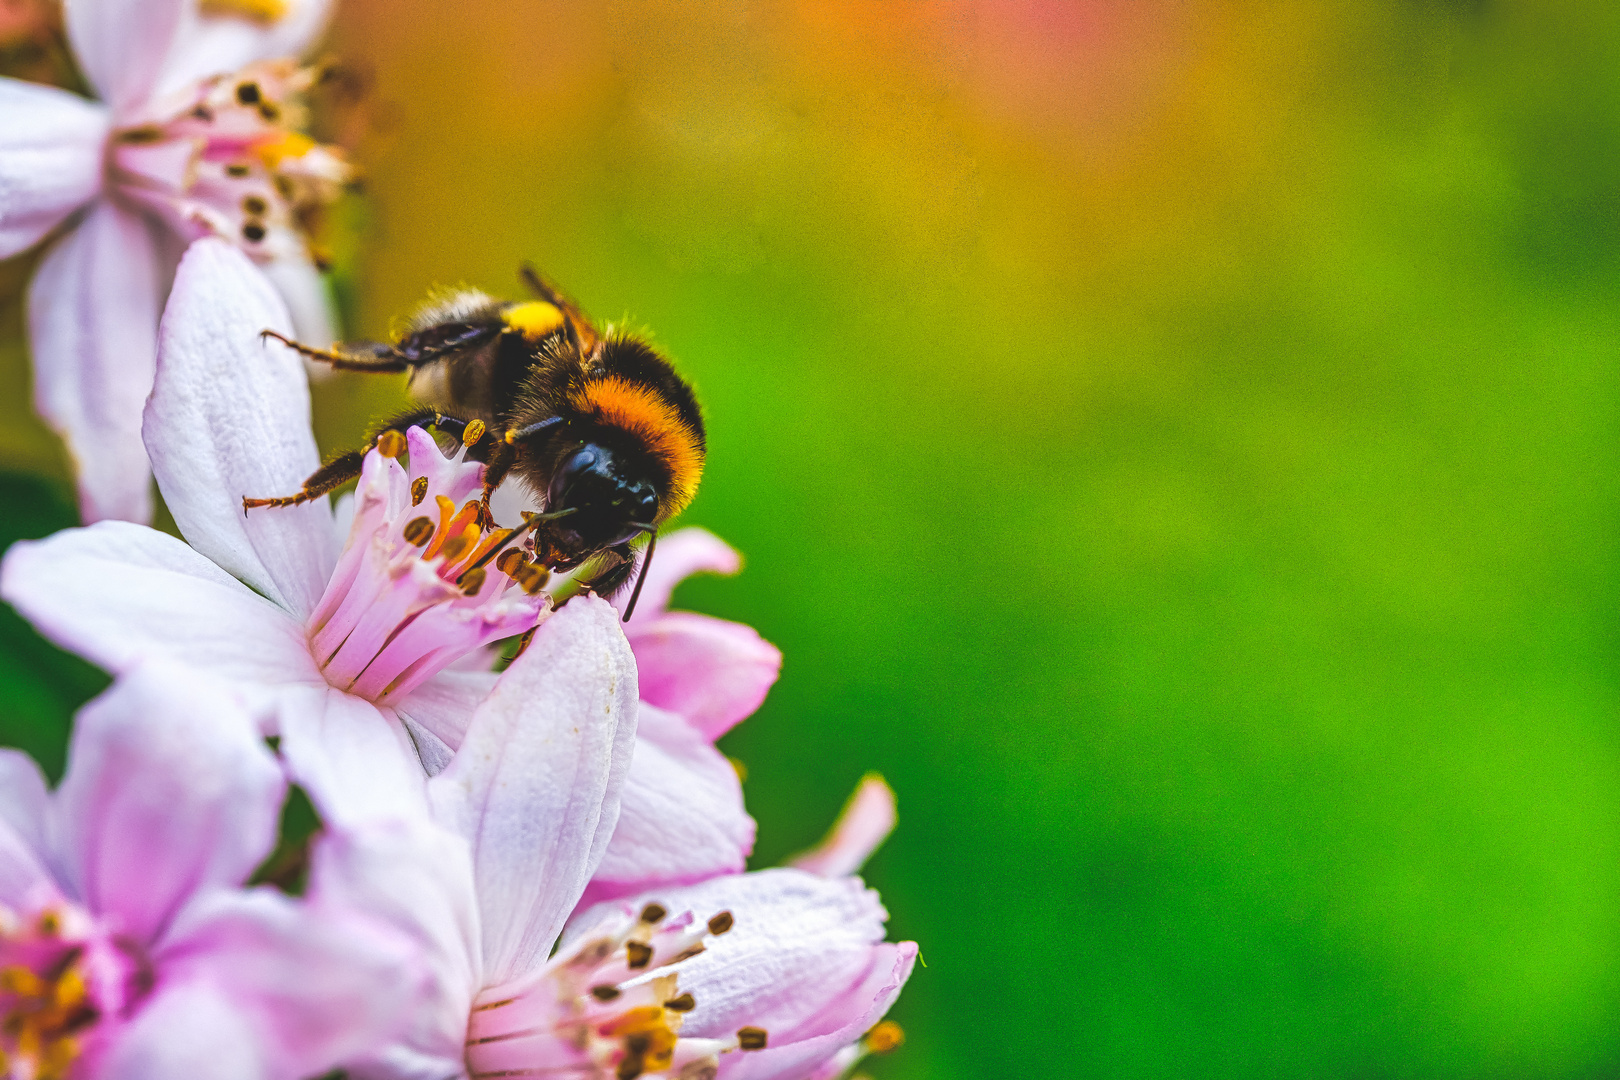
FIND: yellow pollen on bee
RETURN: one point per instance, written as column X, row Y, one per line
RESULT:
column 390, row 444
column 259, row 11
column 534, row 319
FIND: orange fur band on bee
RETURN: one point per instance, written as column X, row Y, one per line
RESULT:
column 640, row 411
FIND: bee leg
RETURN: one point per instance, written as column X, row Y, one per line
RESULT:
column 502, row 456
column 335, row 473
column 374, row 355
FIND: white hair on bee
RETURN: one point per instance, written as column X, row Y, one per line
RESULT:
column 453, row 305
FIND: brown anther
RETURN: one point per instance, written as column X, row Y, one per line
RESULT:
column 509, row 561
column 695, row 950
column 630, row 1068
column 533, row 578
column 253, row 232
column 637, row 955
column 254, row 205
column 419, row 488
column 247, row 93
column 751, row 1038
column 269, row 111
column 604, row 993
column 455, row 547
column 50, row 923
column 653, row 913
column 721, row 923
column 472, row 433
column 391, row 443
column 637, row 1044
column 237, row 170
column 418, row 531
column 684, row 1003
column 472, row 581
column 139, row 135
column 885, row 1038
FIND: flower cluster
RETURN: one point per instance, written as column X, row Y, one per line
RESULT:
column 531, row 857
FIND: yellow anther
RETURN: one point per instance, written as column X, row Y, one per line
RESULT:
column 418, row 531
column 637, row 955
column 391, row 444
column 653, row 914
column 19, row 980
column 455, row 547
column 259, row 11
column 472, row 581
column 532, row 578
column 885, row 1038
column 419, row 488
column 721, row 923
column 290, row 144
column 510, row 561
column 472, row 433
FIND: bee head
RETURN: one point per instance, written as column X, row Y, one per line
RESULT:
column 609, row 501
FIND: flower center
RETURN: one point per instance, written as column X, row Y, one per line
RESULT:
column 225, row 157
column 415, row 589
column 60, row 976
column 608, row 1007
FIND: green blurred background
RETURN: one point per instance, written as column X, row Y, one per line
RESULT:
column 1173, row 440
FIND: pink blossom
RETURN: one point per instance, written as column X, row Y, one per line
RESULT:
column 351, row 641
column 747, row 975
column 194, row 135
column 128, row 947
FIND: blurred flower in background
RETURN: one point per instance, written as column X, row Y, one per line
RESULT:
column 196, row 132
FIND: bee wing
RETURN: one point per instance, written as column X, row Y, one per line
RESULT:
column 579, row 326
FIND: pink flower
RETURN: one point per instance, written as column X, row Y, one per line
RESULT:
column 757, row 975
column 351, row 641
column 178, row 147
column 128, row 947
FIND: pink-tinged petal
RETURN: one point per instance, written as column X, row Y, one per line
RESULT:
column 51, row 146
column 713, row 672
column 316, row 984
column 535, row 786
column 416, row 877
column 304, row 290
column 24, row 799
column 219, row 44
column 229, row 417
column 844, row 1018
column 681, row 818
column 169, row 791
column 188, row 1029
column 798, row 943
column 444, row 705
column 116, row 593
column 121, row 45
column 866, row 821
column 354, row 759
column 24, row 879
column 92, row 324
column 680, row 555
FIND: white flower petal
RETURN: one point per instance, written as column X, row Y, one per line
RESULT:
column 188, row 1029
column 355, row 760
column 229, row 417
column 444, row 705
column 51, row 148
column 24, row 799
column 121, row 45
column 318, row 983
column 92, row 322
column 23, row 877
column 680, row 555
column 219, row 44
column 417, row 877
column 115, row 593
column 304, row 291
column 535, row 786
column 169, row 791
column 681, row 818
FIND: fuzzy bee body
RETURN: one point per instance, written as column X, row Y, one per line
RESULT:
column 597, row 423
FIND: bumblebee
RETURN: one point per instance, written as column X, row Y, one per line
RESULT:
column 596, row 423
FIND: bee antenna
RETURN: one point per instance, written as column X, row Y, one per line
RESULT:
column 529, row 522
column 641, row 578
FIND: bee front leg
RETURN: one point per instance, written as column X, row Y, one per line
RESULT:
column 502, row 456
